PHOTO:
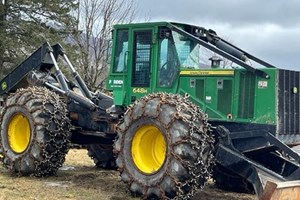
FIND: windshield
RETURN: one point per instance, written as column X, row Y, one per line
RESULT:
column 191, row 55
column 177, row 51
column 187, row 51
column 168, row 62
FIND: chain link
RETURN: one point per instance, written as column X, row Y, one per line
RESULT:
column 49, row 113
column 199, row 138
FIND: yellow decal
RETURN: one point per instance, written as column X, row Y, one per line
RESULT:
column 295, row 90
column 140, row 90
column 4, row 85
column 208, row 72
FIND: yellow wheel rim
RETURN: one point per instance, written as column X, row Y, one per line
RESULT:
column 148, row 149
column 18, row 133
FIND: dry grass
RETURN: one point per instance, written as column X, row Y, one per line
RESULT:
column 79, row 179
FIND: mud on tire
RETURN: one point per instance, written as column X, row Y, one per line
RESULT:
column 175, row 124
column 37, row 116
column 103, row 155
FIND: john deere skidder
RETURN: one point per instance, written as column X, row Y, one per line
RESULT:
column 186, row 105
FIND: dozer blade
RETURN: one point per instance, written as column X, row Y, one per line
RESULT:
column 270, row 166
column 289, row 190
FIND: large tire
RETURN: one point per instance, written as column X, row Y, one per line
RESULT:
column 229, row 181
column 102, row 155
column 34, row 132
column 164, row 147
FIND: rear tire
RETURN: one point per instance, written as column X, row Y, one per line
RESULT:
column 164, row 147
column 102, row 155
column 34, row 132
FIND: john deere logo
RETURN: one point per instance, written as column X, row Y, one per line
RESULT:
column 295, row 90
column 3, row 85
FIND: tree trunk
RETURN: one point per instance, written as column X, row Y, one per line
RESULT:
column 3, row 14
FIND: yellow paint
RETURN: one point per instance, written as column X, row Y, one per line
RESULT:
column 139, row 90
column 19, row 133
column 295, row 90
column 207, row 72
column 148, row 149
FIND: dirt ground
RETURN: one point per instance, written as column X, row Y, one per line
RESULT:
column 79, row 179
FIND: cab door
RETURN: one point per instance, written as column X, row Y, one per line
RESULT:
column 141, row 65
column 118, row 78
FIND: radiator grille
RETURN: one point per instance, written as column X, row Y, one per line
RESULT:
column 246, row 96
column 225, row 97
column 288, row 102
column 200, row 89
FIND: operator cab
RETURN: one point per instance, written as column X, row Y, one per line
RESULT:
column 147, row 58
column 186, row 59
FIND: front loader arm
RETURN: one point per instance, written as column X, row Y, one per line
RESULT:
column 37, row 66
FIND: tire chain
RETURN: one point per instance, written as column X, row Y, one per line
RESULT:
column 193, row 116
column 56, row 146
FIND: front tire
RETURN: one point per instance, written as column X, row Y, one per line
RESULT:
column 34, row 132
column 164, row 147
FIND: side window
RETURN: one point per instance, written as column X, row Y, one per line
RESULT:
column 168, row 63
column 163, row 63
column 121, row 51
column 142, row 58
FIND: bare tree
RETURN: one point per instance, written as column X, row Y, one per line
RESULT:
column 95, row 21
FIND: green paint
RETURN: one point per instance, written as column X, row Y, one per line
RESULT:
column 224, row 94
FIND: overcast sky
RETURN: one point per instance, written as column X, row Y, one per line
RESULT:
column 268, row 29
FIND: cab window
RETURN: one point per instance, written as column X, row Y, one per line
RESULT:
column 168, row 61
column 142, row 58
column 121, row 51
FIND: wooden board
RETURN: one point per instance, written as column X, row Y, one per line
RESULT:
column 282, row 191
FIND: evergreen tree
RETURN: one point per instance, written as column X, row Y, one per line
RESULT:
column 26, row 24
